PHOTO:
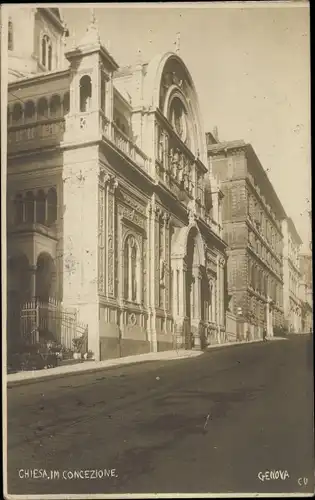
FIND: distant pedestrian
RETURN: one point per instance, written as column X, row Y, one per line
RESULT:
column 248, row 335
column 264, row 335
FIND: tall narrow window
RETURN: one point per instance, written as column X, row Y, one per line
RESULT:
column 49, row 58
column 46, row 53
column 85, row 93
column 66, row 103
column 55, row 105
column 29, row 207
column 29, row 111
column 131, row 270
column 134, row 273
column 44, row 49
column 19, row 210
column 17, row 113
column 41, row 207
column 42, row 108
column 51, row 206
column 103, row 90
column 10, row 35
column 126, row 271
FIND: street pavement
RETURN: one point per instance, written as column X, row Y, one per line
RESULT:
column 211, row 424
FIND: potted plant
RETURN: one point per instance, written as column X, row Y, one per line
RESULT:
column 77, row 345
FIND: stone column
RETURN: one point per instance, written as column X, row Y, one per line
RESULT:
column 197, row 312
column 152, row 276
column 218, row 300
column 33, row 272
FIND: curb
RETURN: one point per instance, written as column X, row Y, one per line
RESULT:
column 110, row 364
column 48, row 375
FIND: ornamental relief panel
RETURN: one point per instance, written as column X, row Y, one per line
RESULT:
column 131, row 215
column 132, row 203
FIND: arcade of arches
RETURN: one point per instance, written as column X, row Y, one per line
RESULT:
column 26, row 282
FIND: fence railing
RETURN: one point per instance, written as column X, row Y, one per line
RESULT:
column 50, row 321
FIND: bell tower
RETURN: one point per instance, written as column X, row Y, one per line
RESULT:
column 89, row 118
column 91, row 88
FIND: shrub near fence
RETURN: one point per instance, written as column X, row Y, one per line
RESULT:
column 50, row 321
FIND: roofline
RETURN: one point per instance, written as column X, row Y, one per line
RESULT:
column 282, row 213
column 79, row 50
column 53, row 17
column 248, row 149
column 293, row 230
column 30, row 80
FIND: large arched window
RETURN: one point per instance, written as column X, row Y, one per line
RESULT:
column 85, row 93
column 10, row 35
column 131, row 270
column 41, row 207
column 178, row 119
column 46, row 52
column 51, row 206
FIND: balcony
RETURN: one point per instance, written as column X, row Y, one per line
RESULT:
column 33, row 228
column 126, row 145
column 48, row 133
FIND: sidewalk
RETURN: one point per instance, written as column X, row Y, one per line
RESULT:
column 29, row 377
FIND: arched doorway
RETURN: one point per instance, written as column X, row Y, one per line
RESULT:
column 196, row 287
column 189, row 287
column 45, row 277
column 18, row 292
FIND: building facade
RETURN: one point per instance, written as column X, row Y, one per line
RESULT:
column 306, row 286
column 291, row 277
column 252, row 215
column 111, row 207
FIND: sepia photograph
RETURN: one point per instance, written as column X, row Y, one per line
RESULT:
column 157, row 294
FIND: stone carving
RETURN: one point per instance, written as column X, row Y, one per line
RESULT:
column 132, row 216
column 105, row 178
column 101, row 234
column 192, row 213
column 131, row 202
column 132, row 319
column 162, row 272
column 110, row 245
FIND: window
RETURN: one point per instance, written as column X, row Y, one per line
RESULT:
column 17, row 112
column 10, row 35
column 41, row 207
column 51, row 206
column 85, row 93
column 42, row 108
column 131, row 270
column 29, row 207
column 66, row 103
column 55, row 105
column 19, row 210
column 178, row 119
column 46, row 53
column 49, row 57
column 29, row 110
column 103, row 90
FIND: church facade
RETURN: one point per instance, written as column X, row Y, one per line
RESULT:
column 111, row 207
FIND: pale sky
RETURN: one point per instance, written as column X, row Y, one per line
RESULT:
column 251, row 70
